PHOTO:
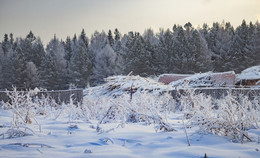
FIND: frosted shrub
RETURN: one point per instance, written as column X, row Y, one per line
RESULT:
column 22, row 105
column 229, row 116
column 75, row 112
column 45, row 104
column 143, row 107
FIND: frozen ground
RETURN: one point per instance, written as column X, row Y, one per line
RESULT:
column 57, row 139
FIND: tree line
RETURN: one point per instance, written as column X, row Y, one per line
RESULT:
column 81, row 61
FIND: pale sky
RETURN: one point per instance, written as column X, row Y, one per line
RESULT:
column 67, row 17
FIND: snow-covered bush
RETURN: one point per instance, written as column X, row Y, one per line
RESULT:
column 22, row 105
column 25, row 105
column 230, row 116
column 19, row 131
column 141, row 107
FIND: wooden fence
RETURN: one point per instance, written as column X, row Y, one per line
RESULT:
column 59, row 96
column 220, row 92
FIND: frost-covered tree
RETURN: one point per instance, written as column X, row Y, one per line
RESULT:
column 26, row 45
column 137, row 58
column 105, row 64
column 252, row 47
column 97, row 43
column 151, row 43
column 32, row 80
column 19, row 76
column 180, row 49
column 6, row 53
column 48, row 73
column 6, row 44
column 80, row 67
column 84, row 38
column 200, row 60
column 211, row 36
column 33, row 48
column 110, row 38
column 1, row 67
column 165, row 54
column 37, row 52
column 255, row 46
column 120, row 55
column 68, row 50
column 222, row 45
column 53, row 66
column 238, row 52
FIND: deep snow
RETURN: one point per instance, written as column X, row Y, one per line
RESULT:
column 57, row 139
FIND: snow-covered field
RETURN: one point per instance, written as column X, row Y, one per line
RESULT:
column 113, row 122
column 57, row 139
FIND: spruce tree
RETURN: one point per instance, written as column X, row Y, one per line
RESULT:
column 80, row 65
column 53, row 67
column 110, row 38
column 165, row 51
column 150, row 44
column 32, row 80
column 84, row 38
column 6, row 53
column 105, row 64
column 180, row 49
column 6, row 44
column 98, row 42
column 137, row 57
column 118, row 49
column 48, row 73
column 19, row 76
column 33, row 49
column 238, row 60
column 68, row 50
column 254, row 46
column 38, row 52
column 200, row 60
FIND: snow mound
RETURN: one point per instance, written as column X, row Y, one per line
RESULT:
column 251, row 73
column 118, row 85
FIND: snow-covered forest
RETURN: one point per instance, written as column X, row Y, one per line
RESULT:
column 80, row 61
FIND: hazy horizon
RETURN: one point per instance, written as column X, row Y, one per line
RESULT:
column 65, row 18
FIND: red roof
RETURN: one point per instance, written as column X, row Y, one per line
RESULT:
column 168, row 78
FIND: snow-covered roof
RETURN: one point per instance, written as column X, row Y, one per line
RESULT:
column 252, row 73
column 208, row 79
column 196, row 80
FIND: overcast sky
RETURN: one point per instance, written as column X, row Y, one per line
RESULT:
column 67, row 17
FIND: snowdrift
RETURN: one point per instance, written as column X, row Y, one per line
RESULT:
column 119, row 85
column 251, row 73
